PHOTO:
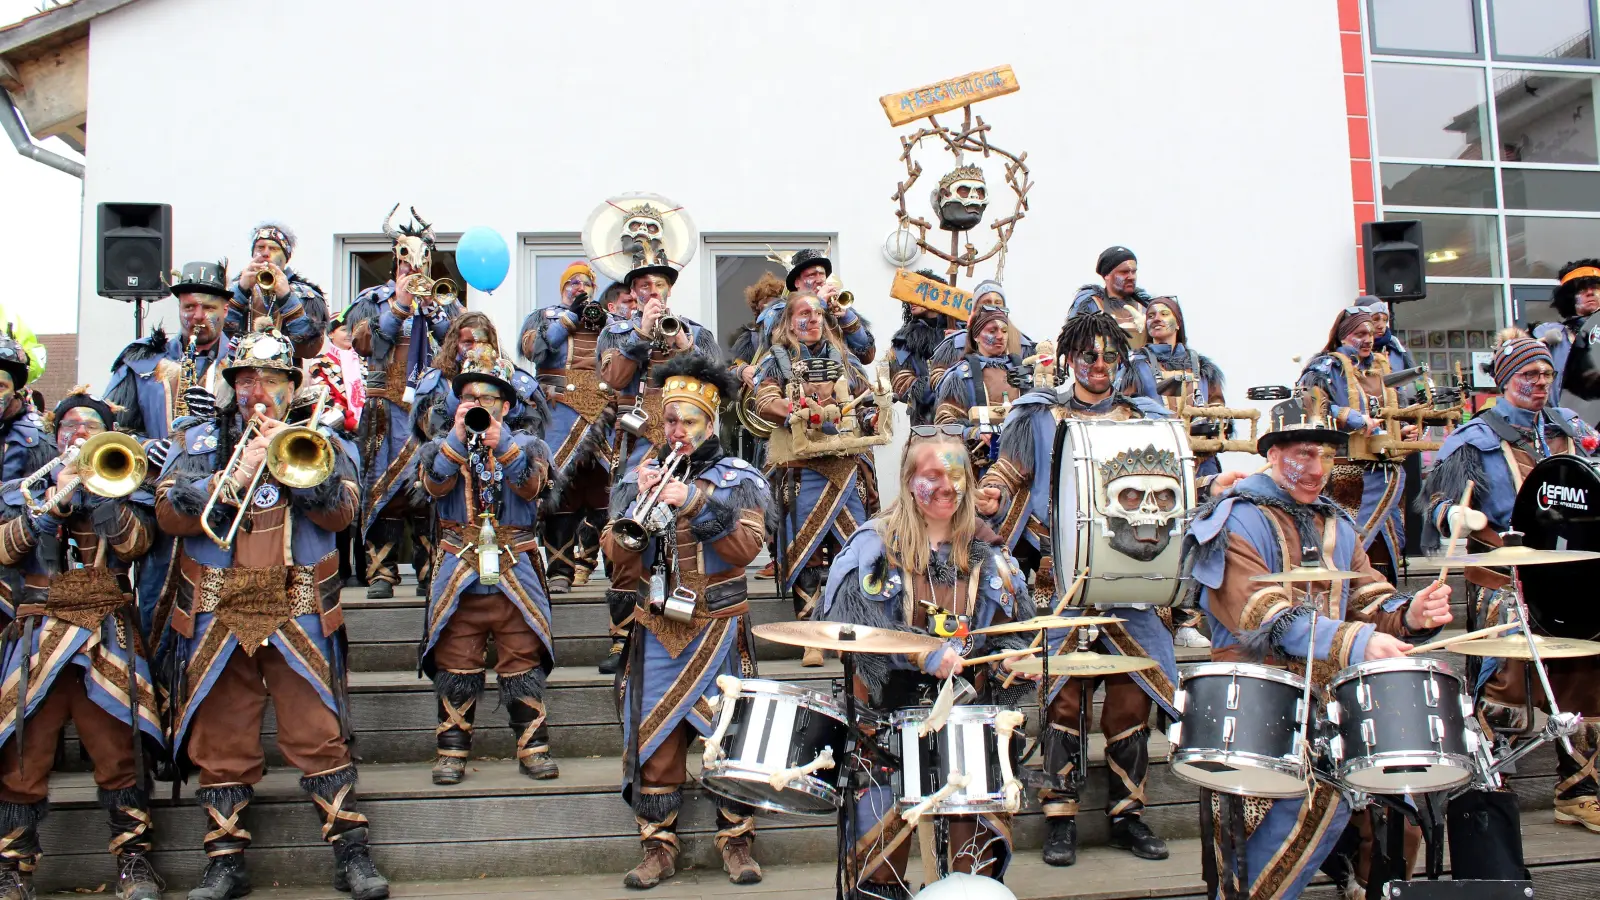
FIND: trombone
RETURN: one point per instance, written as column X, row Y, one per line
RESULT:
column 649, row 515
column 298, row 456
column 110, row 464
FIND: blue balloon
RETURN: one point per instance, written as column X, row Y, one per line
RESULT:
column 483, row 257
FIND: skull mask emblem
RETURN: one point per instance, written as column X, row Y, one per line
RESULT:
column 960, row 199
column 1142, row 497
column 641, row 236
column 413, row 243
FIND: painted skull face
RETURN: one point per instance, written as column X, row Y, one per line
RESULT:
column 1142, row 496
column 961, row 199
column 413, row 251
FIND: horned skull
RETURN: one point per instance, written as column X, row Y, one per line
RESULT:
column 413, row 243
column 1143, row 495
column 960, row 199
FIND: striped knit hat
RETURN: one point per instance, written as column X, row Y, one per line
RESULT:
column 1516, row 353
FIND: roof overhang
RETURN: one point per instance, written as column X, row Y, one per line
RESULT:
column 44, row 66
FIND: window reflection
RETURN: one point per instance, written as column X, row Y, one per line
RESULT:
column 1551, row 189
column 1459, row 246
column 1539, row 246
column 1544, row 117
column 1413, row 185
column 1426, row 26
column 1446, row 328
column 1431, row 112
column 1546, row 29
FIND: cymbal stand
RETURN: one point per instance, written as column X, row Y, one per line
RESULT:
column 847, row 809
column 1564, row 724
column 1080, row 775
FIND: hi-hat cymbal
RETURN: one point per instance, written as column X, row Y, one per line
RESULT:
column 1305, row 574
column 1082, row 663
column 1515, row 646
column 846, row 638
column 1039, row 623
column 1520, row 556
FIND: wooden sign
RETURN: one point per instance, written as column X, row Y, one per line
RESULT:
column 943, row 96
column 912, row 288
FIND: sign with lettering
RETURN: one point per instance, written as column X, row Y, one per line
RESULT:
column 912, row 288
column 943, row 96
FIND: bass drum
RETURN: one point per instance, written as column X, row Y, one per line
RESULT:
column 1558, row 507
column 1123, row 495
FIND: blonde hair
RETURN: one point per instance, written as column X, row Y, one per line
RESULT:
column 783, row 334
column 903, row 530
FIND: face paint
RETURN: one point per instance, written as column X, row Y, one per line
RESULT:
column 272, row 389
column 79, row 424
column 269, row 251
column 955, row 469
column 8, row 392
column 1530, row 386
column 201, row 315
column 923, row 488
column 685, row 423
column 469, row 339
column 992, row 339
column 1302, row 470
column 807, row 321
column 1161, row 324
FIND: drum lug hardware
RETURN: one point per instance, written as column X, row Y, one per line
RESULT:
column 1233, row 693
column 1336, row 747
column 1467, row 711
column 1335, row 712
column 1175, row 734
column 1436, row 729
column 1470, row 741
column 1228, row 726
column 1369, row 733
column 1299, row 709
column 1430, row 693
column 1180, row 700
column 1364, row 696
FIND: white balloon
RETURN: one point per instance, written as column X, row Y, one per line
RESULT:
column 963, row 886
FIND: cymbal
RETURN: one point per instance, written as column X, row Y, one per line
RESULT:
column 1039, row 623
column 829, row 636
column 1083, row 663
column 1515, row 646
column 1304, row 574
column 1520, row 556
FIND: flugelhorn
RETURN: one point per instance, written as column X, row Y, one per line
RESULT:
column 110, row 464
column 298, row 456
column 443, row 290
column 650, row 516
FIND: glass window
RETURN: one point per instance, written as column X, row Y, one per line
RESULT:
column 1455, row 321
column 1459, row 246
column 1412, row 185
column 734, row 275
column 1425, row 26
column 1538, row 247
column 1531, row 304
column 1551, row 189
column 375, row 267
column 1546, row 29
column 1431, row 112
column 1544, row 117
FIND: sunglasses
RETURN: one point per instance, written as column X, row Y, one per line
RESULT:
column 950, row 429
column 1091, row 357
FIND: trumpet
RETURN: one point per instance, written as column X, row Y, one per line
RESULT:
column 443, row 290
column 265, row 279
column 842, row 300
column 650, row 516
column 298, row 456
column 477, row 421
column 668, row 327
column 110, row 464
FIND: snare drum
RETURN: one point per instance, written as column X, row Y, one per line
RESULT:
column 969, row 744
column 1239, row 730
column 1401, row 726
column 773, row 727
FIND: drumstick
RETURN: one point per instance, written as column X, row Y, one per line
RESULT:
column 1450, row 550
column 1039, row 638
column 1006, row 655
column 1462, row 638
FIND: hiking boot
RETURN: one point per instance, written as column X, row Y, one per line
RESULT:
column 136, row 878
column 380, row 590
column 15, row 886
column 354, row 871
column 612, row 664
column 580, row 576
column 1061, row 841
column 539, row 766
column 812, row 658
column 1581, row 810
column 770, row 570
column 449, row 769
column 739, row 864
column 1133, row 835
column 225, row 877
column 560, row 584
column 659, row 862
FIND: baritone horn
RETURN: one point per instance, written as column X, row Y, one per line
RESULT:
column 298, row 456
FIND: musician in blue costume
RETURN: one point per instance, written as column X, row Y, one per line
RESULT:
column 1269, row 523
column 1575, row 299
column 489, row 478
column 953, row 349
column 1350, row 376
column 809, row 273
column 25, row 444
column 746, row 344
column 1388, row 345
column 922, row 333
column 260, row 619
column 713, row 511
column 1522, row 428
column 1092, row 350
column 397, row 334
column 809, row 377
column 1118, row 294
column 928, row 554
column 295, row 305
column 160, row 385
column 78, row 639
column 977, row 392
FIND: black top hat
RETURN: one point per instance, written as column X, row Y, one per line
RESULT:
column 13, row 359
column 203, row 278
column 1291, row 425
column 665, row 271
column 805, row 259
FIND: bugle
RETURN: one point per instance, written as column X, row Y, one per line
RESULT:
column 298, row 456
column 110, row 464
column 649, row 515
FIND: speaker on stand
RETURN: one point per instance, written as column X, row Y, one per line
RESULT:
column 134, row 241
column 1393, row 258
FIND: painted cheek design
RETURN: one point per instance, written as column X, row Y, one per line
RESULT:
column 955, row 471
column 923, row 487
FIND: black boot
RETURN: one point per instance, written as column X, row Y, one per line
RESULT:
column 1061, row 842
column 129, row 813
column 383, row 538
column 523, row 696
column 1132, row 834
column 457, row 694
column 1129, row 756
column 619, row 605
column 353, row 869
column 612, row 664
column 874, row 891
column 19, row 847
column 226, row 840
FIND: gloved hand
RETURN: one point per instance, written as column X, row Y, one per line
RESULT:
column 157, row 452
column 202, row 403
column 1465, row 520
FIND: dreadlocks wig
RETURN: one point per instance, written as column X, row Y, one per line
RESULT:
column 1080, row 332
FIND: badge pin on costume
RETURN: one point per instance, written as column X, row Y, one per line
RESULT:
column 265, row 496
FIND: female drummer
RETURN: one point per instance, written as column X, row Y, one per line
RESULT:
column 926, row 564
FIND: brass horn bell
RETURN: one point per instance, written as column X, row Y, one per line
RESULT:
column 112, row 464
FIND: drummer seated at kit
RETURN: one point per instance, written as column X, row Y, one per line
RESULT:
column 1519, row 429
column 1269, row 523
column 927, row 564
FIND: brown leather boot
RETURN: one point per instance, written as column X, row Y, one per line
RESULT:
column 736, row 833
column 812, row 658
column 660, row 861
column 738, row 863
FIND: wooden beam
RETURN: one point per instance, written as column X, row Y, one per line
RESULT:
column 943, row 96
column 9, row 79
column 55, row 92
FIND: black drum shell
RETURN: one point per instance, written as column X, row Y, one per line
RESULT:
column 1559, row 505
column 1266, row 720
column 1399, row 714
column 813, row 730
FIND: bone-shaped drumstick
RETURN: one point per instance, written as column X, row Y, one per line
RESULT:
column 940, row 713
column 781, row 780
column 1007, row 722
column 730, row 687
column 954, row 783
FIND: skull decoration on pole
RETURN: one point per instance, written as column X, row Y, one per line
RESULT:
column 960, row 199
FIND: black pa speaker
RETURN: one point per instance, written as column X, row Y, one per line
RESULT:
column 135, row 242
column 1392, row 252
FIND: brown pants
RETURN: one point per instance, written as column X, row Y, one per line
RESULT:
column 1123, row 720
column 669, row 765
column 1127, row 705
column 225, row 737
column 108, row 739
column 466, row 635
column 1576, row 683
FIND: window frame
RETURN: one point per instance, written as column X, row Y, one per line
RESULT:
column 1493, row 44
column 758, row 244
column 346, row 246
column 531, row 246
column 1369, row 11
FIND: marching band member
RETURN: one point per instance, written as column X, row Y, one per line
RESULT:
column 809, row 375
column 926, row 554
column 486, row 480
column 1268, row 523
column 1388, row 344
column 396, row 332
column 75, row 652
column 714, row 526
column 1575, row 300
column 1118, row 293
column 1524, row 427
column 809, row 273
column 296, row 306
column 1350, row 375
column 1093, row 351
column 745, row 345
column 987, row 295
column 560, row 341
column 922, row 333
column 987, row 380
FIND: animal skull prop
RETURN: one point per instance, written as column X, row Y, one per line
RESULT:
column 1142, row 495
column 960, row 199
column 413, row 243
column 641, row 236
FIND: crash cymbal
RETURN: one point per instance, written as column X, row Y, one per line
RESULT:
column 846, row 638
column 1520, row 556
column 1039, row 623
column 1515, row 646
column 1083, row 663
column 1305, row 574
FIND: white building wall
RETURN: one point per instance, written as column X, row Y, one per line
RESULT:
column 1211, row 139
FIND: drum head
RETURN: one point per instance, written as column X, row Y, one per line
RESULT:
column 1558, row 508
column 1241, row 774
column 1398, row 775
column 803, row 796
